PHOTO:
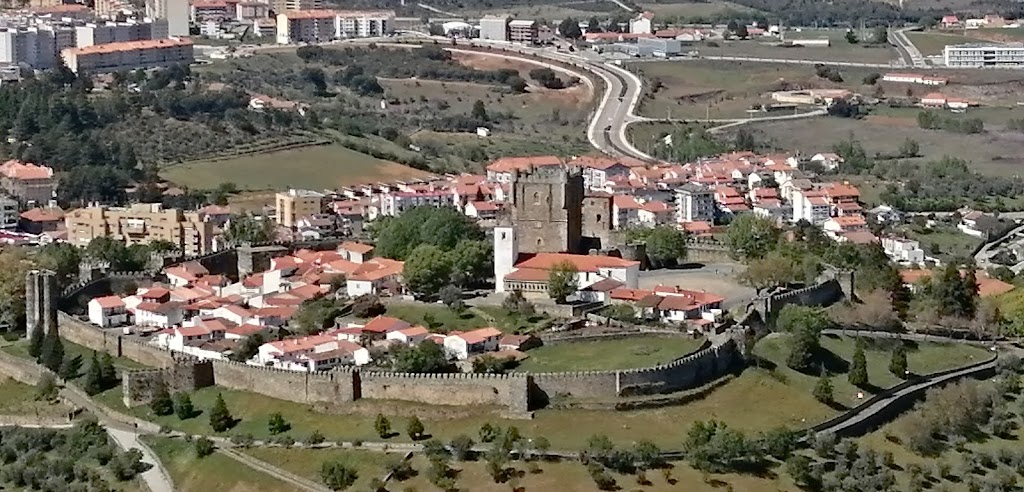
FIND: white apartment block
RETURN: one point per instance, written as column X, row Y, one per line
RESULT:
column 319, row 26
column 9, row 213
column 903, row 250
column 494, row 27
column 175, row 12
column 523, row 31
column 392, row 204
column 121, row 32
column 978, row 55
column 694, row 203
column 131, row 55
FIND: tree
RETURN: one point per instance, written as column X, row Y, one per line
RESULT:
column 93, row 383
column 880, row 35
column 489, row 364
column 562, row 281
column 427, row 269
column 745, row 140
column 461, row 445
column 666, row 246
column 751, row 236
column 451, row 296
column 742, row 32
column 909, row 148
column 315, row 314
column 773, row 270
column 337, row 475
column 52, row 355
column 444, row 227
column 414, row 428
column 898, row 363
column 249, row 229
column 805, row 325
column 250, row 347
column 203, row 447
column 516, row 84
column 569, row 28
column 277, row 424
column 421, row 358
column 46, row 387
column 479, row 111
column 162, row 403
column 799, row 468
column 858, row 375
column 183, row 406
column 823, row 389
column 851, row 37
column 383, row 426
column 488, row 433
column 872, row 78
column 70, row 367
column 220, row 418
column 61, row 258
column 472, row 262
column 108, row 374
column 35, row 341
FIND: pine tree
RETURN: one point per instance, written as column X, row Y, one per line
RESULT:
column 108, row 375
column 70, row 367
column 898, row 364
column 858, row 375
column 35, row 342
column 823, row 389
column 383, row 426
column 183, row 406
column 52, row 355
column 93, row 377
column 277, row 424
column 220, row 418
column 415, row 428
column 162, row 403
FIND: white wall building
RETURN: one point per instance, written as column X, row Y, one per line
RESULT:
column 463, row 345
column 694, row 203
column 903, row 250
column 130, row 55
column 175, row 12
column 318, row 26
column 977, row 55
column 107, row 311
column 494, row 27
column 641, row 24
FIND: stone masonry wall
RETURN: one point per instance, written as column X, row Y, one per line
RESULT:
column 19, row 369
column 509, row 391
column 328, row 387
column 689, row 372
column 89, row 336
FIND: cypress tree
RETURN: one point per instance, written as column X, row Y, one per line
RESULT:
column 898, row 364
column 220, row 418
column 52, row 355
column 108, row 375
column 35, row 341
column 93, row 379
column 823, row 389
column 858, row 375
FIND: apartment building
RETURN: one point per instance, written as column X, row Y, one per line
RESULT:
column 318, row 26
column 293, row 205
column 978, row 55
column 120, row 32
column 27, row 182
column 211, row 10
column 523, row 31
column 280, row 6
column 495, row 27
column 141, row 224
column 174, row 12
column 695, row 203
column 130, row 55
column 9, row 215
column 245, row 11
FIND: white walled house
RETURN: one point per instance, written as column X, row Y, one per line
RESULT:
column 355, row 252
column 462, row 345
column 108, row 311
column 235, row 314
column 163, row 315
column 409, row 336
column 903, row 250
column 373, row 276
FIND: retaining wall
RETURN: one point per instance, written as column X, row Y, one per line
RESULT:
column 506, row 390
column 89, row 336
column 19, row 369
column 337, row 386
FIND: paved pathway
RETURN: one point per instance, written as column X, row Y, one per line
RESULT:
column 300, row 483
column 157, row 479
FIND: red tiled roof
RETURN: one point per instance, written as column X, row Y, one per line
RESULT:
column 477, row 336
column 108, row 302
column 529, row 275
column 15, row 169
column 583, row 263
column 356, row 247
column 376, row 269
column 629, row 294
column 246, row 330
column 385, row 324
column 156, row 293
column 509, row 164
column 43, row 215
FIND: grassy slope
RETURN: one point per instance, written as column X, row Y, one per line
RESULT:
column 607, row 354
column 71, row 349
column 19, row 399
column 216, row 472
column 932, row 43
column 921, row 358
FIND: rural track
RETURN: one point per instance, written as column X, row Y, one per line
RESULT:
column 260, row 465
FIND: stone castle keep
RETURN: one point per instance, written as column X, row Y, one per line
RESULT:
column 40, row 300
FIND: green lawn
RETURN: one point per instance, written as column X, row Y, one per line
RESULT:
column 932, row 43
column 320, row 167
column 215, row 472
column 838, row 50
column 606, row 355
column 511, row 322
column 692, row 9
column 922, row 358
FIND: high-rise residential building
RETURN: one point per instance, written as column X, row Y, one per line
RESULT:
column 317, row 26
column 494, row 27
column 694, row 203
column 523, row 31
column 176, row 12
column 978, row 55
column 120, row 32
column 9, row 213
column 113, row 57
column 280, row 6
column 141, row 224
column 293, row 205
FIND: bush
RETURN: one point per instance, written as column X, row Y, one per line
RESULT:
column 242, row 440
column 203, row 447
column 337, row 476
column 415, row 428
column 277, row 424
column 383, row 426
column 315, row 438
column 162, row 403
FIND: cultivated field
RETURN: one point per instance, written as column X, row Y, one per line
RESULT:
column 607, row 355
column 838, row 50
column 319, row 167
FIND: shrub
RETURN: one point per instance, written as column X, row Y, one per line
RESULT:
column 203, row 447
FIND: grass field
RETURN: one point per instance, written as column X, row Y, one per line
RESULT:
column 317, row 168
column 665, row 426
column 567, row 476
column 20, row 399
column 950, row 242
column 838, row 50
column 921, row 359
column 707, row 88
column 441, row 319
column 932, row 42
column 607, row 355
column 215, row 472
column 993, row 153
column 692, row 9
column 71, row 349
